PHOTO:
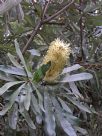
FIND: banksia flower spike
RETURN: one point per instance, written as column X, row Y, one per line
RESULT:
column 58, row 54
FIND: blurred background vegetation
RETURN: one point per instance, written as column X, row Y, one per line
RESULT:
column 36, row 23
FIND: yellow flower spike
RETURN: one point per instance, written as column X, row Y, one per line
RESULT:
column 58, row 53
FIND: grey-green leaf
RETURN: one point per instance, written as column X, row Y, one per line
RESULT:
column 7, row 5
column 12, row 70
column 28, row 119
column 35, row 104
column 49, row 116
column 13, row 116
column 64, row 105
column 78, row 104
column 81, row 130
column 6, row 77
column 64, row 123
column 12, row 100
column 19, row 53
column 91, row 6
column 72, row 68
column 14, row 61
column 77, row 77
column 75, row 89
column 40, row 98
column 5, row 109
column 27, row 97
column 34, row 52
column 67, row 127
column 4, row 88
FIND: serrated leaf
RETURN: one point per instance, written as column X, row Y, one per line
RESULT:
column 19, row 53
column 13, row 116
column 12, row 70
column 28, row 119
column 77, row 77
column 14, row 61
column 49, row 116
column 4, row 88
column 72, row 68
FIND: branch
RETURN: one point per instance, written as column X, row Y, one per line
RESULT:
column 58, row 12
column 43, row 21
column 36, row 29
column 81, row 32
column 32, row 36
column 45, row 9
column 55, row 23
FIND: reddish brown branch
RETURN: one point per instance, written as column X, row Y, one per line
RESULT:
column 36, row 29
column 58, row 12
column 43, row 21
column 45, row 9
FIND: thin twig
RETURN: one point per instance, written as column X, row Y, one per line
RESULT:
column 81, row 32
column 55, row 23
column 35, row 31
column 42, row 22
column 45, row 9
column 58, row 12
column 32, row 36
